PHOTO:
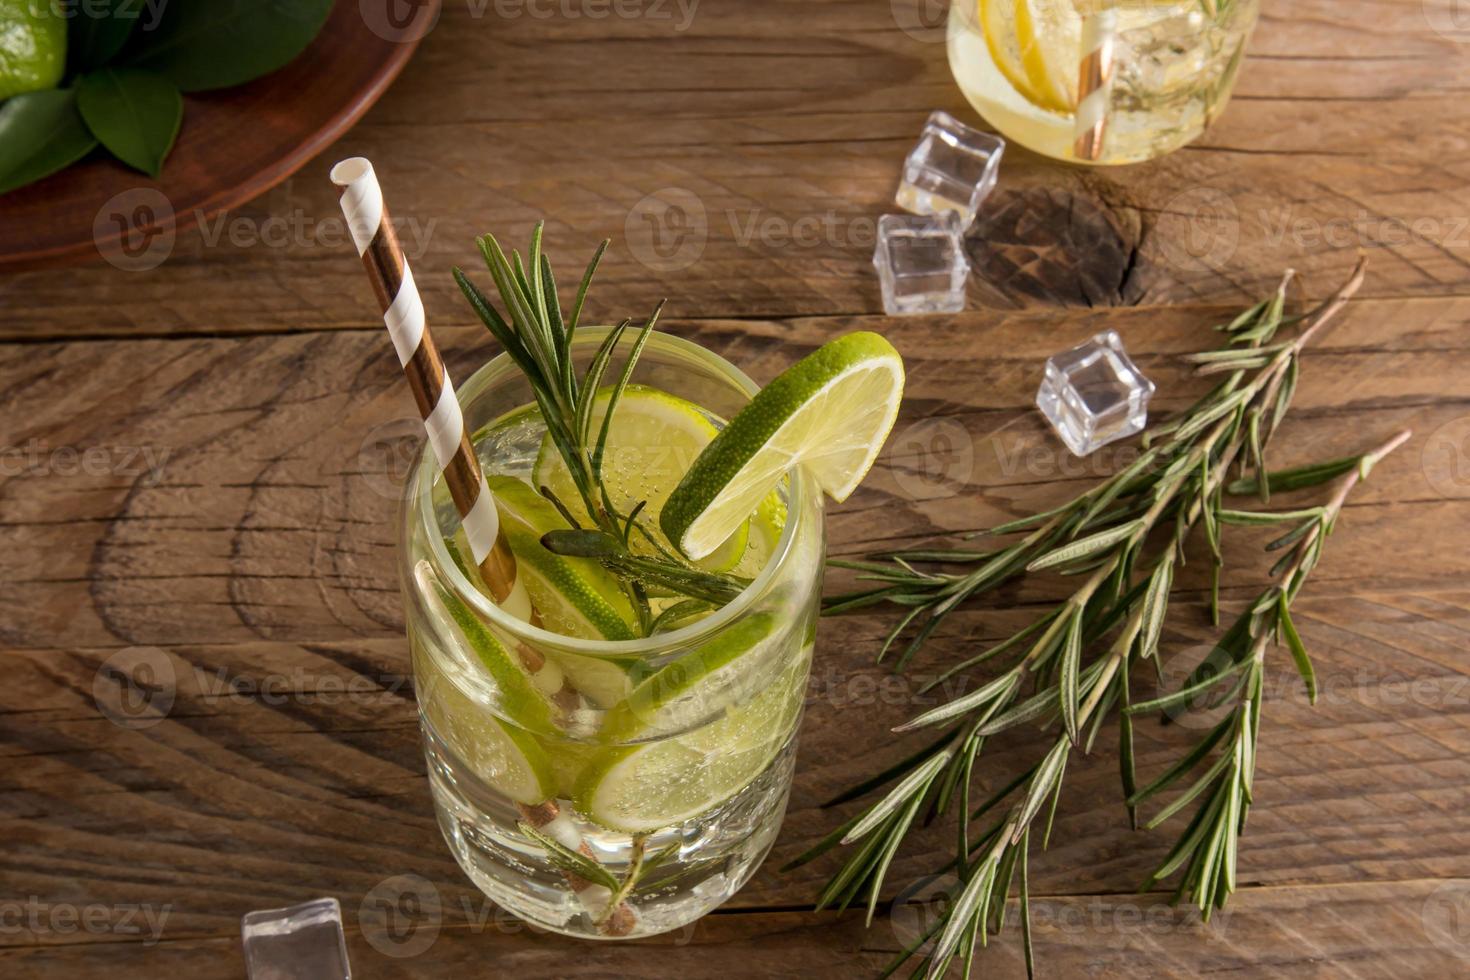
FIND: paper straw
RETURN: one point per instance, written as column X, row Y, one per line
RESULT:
column 1094, row 82
column 403, row 315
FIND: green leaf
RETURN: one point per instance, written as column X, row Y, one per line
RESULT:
column 210, row 44
column 40, row 133
column 997, row 691
column 1296, row 478
column 1155, row 605
column 1085, row 547
column 134, row 113
column 916, row 782
column 97, row 33
column 581, row 544
column 569, row 860
column 1071, row 664
column 1298, row 649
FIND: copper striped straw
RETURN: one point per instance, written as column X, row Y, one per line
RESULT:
column 403, row 315
column 1094, row 81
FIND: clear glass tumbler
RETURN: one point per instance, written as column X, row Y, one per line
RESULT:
column 1174, row 66
column 655, row 798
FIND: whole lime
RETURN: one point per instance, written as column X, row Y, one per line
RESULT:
column 32, row 46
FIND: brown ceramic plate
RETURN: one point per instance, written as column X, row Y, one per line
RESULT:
column 234, row 144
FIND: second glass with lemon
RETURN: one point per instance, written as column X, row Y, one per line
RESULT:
column 1174, row 65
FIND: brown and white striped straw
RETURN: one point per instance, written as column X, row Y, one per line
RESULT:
column 403, row 315
column 1094, row 82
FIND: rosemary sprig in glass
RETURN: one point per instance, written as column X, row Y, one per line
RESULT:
column 1071, row 666
column 539, row 339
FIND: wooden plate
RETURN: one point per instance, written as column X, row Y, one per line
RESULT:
column 234, row 144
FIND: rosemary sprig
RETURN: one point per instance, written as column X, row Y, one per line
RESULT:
column 539, row 339
column 1054, row 677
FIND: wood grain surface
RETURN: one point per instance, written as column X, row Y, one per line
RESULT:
column 207, row 707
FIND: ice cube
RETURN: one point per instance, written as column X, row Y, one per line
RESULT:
column 1093, row 394
column 303, row 942
column 952, row 168
column 921, row 263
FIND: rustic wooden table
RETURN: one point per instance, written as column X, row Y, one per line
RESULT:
column 205, row 708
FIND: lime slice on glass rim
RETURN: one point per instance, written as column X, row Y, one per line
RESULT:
column 504, row 753
column 637, row 788
column 828, row 413
column 653, row 439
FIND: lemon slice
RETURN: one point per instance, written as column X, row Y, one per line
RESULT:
column 828, row 413
column 644, row 787
column 653, row 440
column 1036, row 45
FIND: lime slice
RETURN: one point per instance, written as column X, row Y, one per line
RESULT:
column 1036, row 45
column 504, row 753
column 508, row 758
column 645, row 787
column 828, row 412
column 575, row 596
column 520, row 698
column 32, row 47
column 654, row 439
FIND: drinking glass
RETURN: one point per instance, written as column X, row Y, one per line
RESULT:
column 1174, row 65
column 674, row 797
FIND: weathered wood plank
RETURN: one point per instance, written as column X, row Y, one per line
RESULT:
column 228, row 489
column 249, row 774
column 1362, row 931
column 740, row 163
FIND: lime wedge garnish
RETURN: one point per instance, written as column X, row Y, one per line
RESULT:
column 575, row 596
column 828, row 413
column 654, row 439
column 644, row 787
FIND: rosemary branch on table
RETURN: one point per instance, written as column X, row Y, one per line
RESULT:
column 538, row 338
column 1069, row 669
